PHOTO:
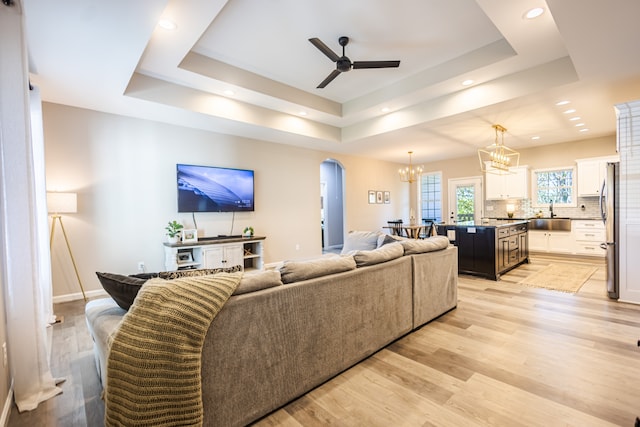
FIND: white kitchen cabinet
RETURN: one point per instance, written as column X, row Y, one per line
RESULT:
column 510, row 186
column 591, row 173
column 588, row 234
column 550, row 241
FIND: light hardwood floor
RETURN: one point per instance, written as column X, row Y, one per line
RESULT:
column 509, row 355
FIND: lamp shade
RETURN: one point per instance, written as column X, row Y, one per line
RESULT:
column 62, row 203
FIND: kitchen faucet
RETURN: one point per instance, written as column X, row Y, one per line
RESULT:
column 551, row 214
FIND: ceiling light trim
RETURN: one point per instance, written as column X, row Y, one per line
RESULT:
column 221, row 71
column 155, row 90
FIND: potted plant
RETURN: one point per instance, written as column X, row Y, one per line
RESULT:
column 248, row 231
column 173, row 231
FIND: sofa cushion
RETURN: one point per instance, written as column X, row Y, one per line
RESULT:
column 434, row 243
column 376, row 256
column 295, row 271
column 257, row 280
column 123, row 289
column 360, row 241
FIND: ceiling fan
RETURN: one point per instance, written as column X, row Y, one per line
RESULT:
column 344, row 64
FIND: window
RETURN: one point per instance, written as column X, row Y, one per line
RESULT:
column 431, row 196
column 554, row 185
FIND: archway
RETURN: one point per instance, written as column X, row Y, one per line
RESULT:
column 332, row 205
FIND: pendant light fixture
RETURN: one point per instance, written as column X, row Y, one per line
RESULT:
column 497, row 158
column 410, row 173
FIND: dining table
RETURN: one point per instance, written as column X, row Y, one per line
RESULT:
column 408, row 230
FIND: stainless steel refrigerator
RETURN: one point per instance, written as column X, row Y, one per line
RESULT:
column 610, row 214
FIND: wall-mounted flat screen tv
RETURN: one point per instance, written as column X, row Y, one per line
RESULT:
column 214, row 189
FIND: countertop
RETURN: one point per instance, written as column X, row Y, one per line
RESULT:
column 505, row 222
column 491, row 223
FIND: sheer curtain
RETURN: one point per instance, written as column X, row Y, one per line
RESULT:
column 25, row 267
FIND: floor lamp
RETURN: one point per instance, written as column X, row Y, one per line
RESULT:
column 58, row 203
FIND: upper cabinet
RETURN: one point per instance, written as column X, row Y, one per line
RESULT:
column 591, row 173
column 510, row 186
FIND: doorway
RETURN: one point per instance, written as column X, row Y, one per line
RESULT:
column 465, row 200
column 332, row 205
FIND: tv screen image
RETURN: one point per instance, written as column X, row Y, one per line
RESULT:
column 214, row 189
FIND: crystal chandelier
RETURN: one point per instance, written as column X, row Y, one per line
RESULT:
column 497, row 158
column 410, row 173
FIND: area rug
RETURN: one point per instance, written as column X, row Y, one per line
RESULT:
column 560, row 277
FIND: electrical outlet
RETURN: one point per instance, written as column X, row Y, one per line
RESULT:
column 5, row 358
column 297, row 246
column 141, row 267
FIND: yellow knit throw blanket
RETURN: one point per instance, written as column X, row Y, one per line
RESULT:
column 153, row 366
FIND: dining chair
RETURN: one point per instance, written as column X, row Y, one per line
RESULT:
column 396, row 227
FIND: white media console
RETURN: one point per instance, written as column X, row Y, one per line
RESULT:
column 215, row 252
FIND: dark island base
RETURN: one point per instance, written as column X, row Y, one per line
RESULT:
column 489, row 250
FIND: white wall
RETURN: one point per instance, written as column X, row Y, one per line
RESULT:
column 123, row 170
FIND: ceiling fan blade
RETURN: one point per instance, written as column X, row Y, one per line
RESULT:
column 376, row 64
column 329, row 78
column 324, row 49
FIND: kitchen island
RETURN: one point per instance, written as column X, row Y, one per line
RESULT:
column 489, row 249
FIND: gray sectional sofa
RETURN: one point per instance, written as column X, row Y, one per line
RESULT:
column 310, row 321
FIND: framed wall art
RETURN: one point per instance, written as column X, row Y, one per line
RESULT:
column 372, row 197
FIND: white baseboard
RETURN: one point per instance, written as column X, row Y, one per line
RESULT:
column 78, row 295
column 6, row 410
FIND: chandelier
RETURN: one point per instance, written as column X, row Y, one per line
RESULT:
column 410, row 173
column 497, row 158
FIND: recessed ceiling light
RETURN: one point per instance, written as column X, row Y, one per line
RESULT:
column 467, row 82
column 535, row 138
column 302, row 113
column 584, row 130
column 565, row 102
column 534, row 13
column 229, row 92
column 572, row 110
column 167, row 24
column 573, row 119
column 385, row 109
column 579, row 125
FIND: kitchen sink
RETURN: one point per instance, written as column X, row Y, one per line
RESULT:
column 553, row 224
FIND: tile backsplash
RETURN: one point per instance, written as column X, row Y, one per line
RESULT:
column 588, row 208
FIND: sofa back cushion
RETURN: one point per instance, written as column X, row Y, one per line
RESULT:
column 435, row 243
column 257, row 280
column 295, row 271
column 384, row 253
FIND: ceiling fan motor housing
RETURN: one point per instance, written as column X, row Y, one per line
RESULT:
column 343, row 64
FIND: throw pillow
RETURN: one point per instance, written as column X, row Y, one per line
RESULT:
column 168, row 275
column 434, row 243
column 360, row 241
column 377, row 256
column 385, row 239
column 123, row 289
column 295, row 271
